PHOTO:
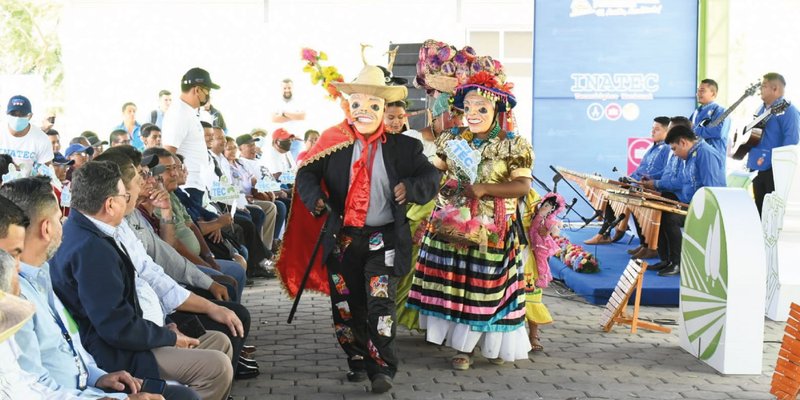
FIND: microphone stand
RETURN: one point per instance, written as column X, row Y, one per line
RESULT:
column 557, row 177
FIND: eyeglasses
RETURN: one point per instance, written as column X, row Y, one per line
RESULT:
column 145, row 174
column 126, row 195
column 122, row 141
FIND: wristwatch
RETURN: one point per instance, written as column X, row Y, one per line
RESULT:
column 171, row 221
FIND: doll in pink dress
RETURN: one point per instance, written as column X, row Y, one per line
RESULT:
column 544, row 227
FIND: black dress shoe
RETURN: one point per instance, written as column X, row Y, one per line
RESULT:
column 357, row 376
column 658, row 266
column 244, row 371
column 381, row 383
column 674, row 269
column 260, row 272
column 248, row 361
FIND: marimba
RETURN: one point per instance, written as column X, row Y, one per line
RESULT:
column 646, row 208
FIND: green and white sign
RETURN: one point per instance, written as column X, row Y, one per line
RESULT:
column 722, row 281
column 781, row 227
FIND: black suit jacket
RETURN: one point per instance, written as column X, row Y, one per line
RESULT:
column 404, row 162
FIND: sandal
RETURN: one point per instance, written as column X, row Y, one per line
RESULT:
column 535, row 345
column 461, row 361
column 497, row 361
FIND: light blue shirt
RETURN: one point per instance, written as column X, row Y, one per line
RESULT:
column 47, row 354
column 21, row 384
column 136, row 135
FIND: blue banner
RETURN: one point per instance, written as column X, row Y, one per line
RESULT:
column 602, row 70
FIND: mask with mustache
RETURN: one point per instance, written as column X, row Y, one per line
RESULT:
column 367, row 112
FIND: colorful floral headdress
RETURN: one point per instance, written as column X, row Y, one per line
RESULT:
column 490, row 87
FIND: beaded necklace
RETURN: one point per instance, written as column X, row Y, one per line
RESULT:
column 492, row 134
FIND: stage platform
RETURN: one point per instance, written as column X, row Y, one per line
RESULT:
column 596, row 288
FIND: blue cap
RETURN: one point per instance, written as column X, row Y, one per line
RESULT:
column 77, row 148
column 19, row 103
column 59, row 159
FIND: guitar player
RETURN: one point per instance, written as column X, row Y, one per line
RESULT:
column 780, row 130
column 708, row 111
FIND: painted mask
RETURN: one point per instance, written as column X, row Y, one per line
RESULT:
column 478, row 111
column 367, row 112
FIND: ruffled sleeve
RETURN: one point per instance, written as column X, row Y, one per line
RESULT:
column 520, row 160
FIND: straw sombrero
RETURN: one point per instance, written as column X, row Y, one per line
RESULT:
column 14, row 313
column 371, row 80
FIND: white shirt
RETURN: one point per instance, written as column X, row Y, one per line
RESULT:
column 183, row 131
column 254, row 167
column 277, row 162
column 169, row 292
column 294, row 127
column 428, row 148
column 33, row 147
column 20, row 384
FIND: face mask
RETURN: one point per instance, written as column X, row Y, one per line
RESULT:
column 285, row 145
column 18, row 124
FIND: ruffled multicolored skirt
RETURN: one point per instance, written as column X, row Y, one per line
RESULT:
column 468, row 298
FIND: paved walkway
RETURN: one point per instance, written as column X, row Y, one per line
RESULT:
column 302, row 360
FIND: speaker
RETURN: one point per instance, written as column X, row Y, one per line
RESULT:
column 405, row 66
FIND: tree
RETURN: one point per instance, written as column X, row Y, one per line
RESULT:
column 29, row 42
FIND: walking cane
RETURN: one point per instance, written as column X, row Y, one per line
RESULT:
column 310, row 265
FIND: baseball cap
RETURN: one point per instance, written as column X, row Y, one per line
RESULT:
column 59, row 159
column 149, row 161
column 200, row 77
column 95, row 141
column 77, row 148
column 281, row 134
column 19, row 103
column 245, row 139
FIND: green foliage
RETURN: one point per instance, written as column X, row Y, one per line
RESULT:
column 29, row 42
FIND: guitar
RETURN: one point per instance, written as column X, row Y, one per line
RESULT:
column 747, row 93
column 752, row 133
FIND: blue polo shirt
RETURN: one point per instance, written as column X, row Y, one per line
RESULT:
column 670, row 180
column 704, row 167
column 653, row 162
column 716, row 136
column 780, row 130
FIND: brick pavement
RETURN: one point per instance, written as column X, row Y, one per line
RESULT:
column 302, row 360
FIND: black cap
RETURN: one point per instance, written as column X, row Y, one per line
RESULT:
column 95, row 141
column 149, row 161
column 245, row 139
column 198, row 77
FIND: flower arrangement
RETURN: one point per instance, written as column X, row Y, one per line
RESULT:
column 325, row 76
column 576, row 257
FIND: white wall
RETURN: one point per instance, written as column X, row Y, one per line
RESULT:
column 125, row 50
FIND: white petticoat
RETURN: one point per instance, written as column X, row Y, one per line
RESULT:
column 510, row 346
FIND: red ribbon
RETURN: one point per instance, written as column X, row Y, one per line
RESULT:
column 357, row 202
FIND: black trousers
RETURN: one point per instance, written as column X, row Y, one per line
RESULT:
column 608, row 218
column 363, row 290
column 252, row 241
column 763, row 183
column 669, row 235
column 236, row 342
column 639, row 232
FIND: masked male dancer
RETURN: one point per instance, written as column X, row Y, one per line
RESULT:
column 367, row 178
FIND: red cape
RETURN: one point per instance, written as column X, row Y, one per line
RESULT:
column 303, row 229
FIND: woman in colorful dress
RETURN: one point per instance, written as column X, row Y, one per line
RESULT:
column 473, row 294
